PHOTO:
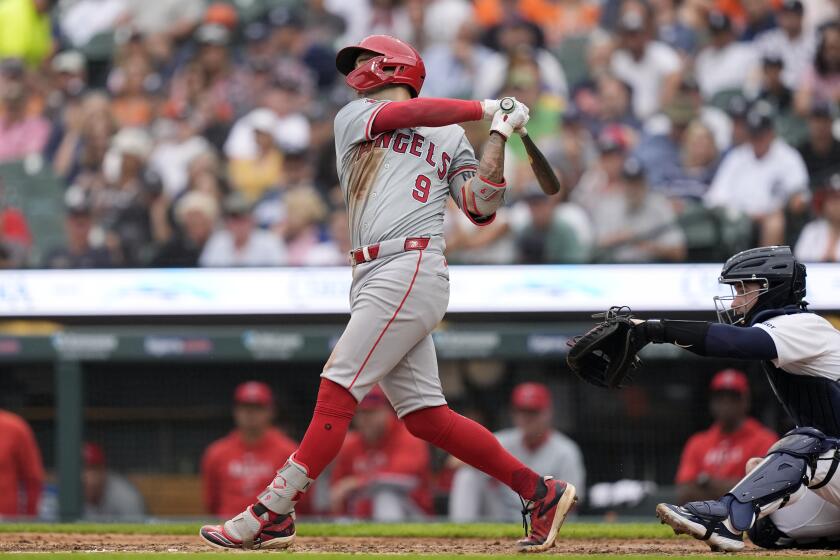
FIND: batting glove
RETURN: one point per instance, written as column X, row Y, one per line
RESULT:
column 508, row 123
column 490, row 106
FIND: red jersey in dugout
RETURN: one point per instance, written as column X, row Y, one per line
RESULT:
column 234, row 473
column 20, row 467
column 722, row 456
column 398, row 459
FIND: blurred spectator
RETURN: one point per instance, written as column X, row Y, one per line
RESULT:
column 179, row 144
column 759, row 18
column 21, row 470
column 557, row 19
column 305, row 211
column 382, row 471
column 299, row 53
column 772, row 88
column 778, row 178
column 25, row 30
column 724, row 64
column 15, row 238
column 790, row 42
column 820, row 239
column 660, row 153
column 132, row 86
column 532, row 440
column 466, row 244
column 174, row 19
column 737, row 107
column 239, row 242
column 635, row 224
column 454, row 68
column 821, row 151
column 713, row 461
column 78, row 223
column 196, row 214
column 253, row 175
column 821, row 81
column 108, row 496
column 550, row 233
column 519, row 41
column 604, row 176
column 21, row 134
column 651, row 67
column 238, row 466
column 82, row 20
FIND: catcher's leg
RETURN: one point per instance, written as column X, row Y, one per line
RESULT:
column 803, row 458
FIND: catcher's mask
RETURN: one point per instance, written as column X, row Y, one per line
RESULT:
column 780, row 279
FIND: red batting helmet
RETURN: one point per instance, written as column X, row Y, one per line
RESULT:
column 393, row 54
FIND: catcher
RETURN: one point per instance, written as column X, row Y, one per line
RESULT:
column 791, row 498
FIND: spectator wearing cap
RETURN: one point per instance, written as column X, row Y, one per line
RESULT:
column 519, row 41
column 724, row 64
column 21, row 134
column 25, row 30
column 238, row 466
column 651, row 67
column 713, row 460
column 382, row 471
column 196, row 214
column 821, row 150
column 253, row 176
column 239, row 242
column 78, row 252
column 777, row 176
column 821, row 81
column 737, row 107
column 298, row 51
column 604, row 176
column 21, row 470
column 658, row 151
column 790, row 42
column 453, row 67
column 547, row 232
column 820, row 239
column 534, row 441
column 636, row 224
column 108, row 496
column 772, row 88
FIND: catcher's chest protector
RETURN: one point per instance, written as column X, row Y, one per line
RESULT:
column 810, row 401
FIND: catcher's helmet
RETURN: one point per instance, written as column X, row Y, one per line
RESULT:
column 780, row 276
column 392, row 54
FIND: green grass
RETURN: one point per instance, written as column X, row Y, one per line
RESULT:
column 440, row 530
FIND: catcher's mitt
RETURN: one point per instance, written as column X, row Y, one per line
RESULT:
column 606, row 354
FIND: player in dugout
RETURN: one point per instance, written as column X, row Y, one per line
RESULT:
column 399, row 159
column 713, row 460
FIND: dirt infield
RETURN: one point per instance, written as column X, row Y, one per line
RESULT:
column 72, row 542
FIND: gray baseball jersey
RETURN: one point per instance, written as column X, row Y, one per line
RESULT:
column 396, row 185
column 476, row 496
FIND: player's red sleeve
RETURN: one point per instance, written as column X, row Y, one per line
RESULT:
column 30, row 469
column 690, row 461
column 210, row 480
column 425, row 111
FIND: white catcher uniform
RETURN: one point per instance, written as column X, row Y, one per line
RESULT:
column 396, row 187
column 807, row 344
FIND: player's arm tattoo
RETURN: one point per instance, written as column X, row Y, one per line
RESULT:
column 492, row 164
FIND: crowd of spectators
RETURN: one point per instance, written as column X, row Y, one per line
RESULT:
column 199, row 133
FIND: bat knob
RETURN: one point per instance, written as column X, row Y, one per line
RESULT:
column 507, row 104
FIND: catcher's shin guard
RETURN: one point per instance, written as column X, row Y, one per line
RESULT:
column 789, row 464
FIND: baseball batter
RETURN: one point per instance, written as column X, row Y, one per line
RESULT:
column 399, row 159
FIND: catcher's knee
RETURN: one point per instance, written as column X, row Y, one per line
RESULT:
column 431, row 424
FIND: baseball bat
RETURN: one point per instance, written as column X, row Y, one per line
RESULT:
column 546, row 178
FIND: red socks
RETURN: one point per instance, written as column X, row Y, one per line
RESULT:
column 440, row 426
column 334, row 410
column 475, row 445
